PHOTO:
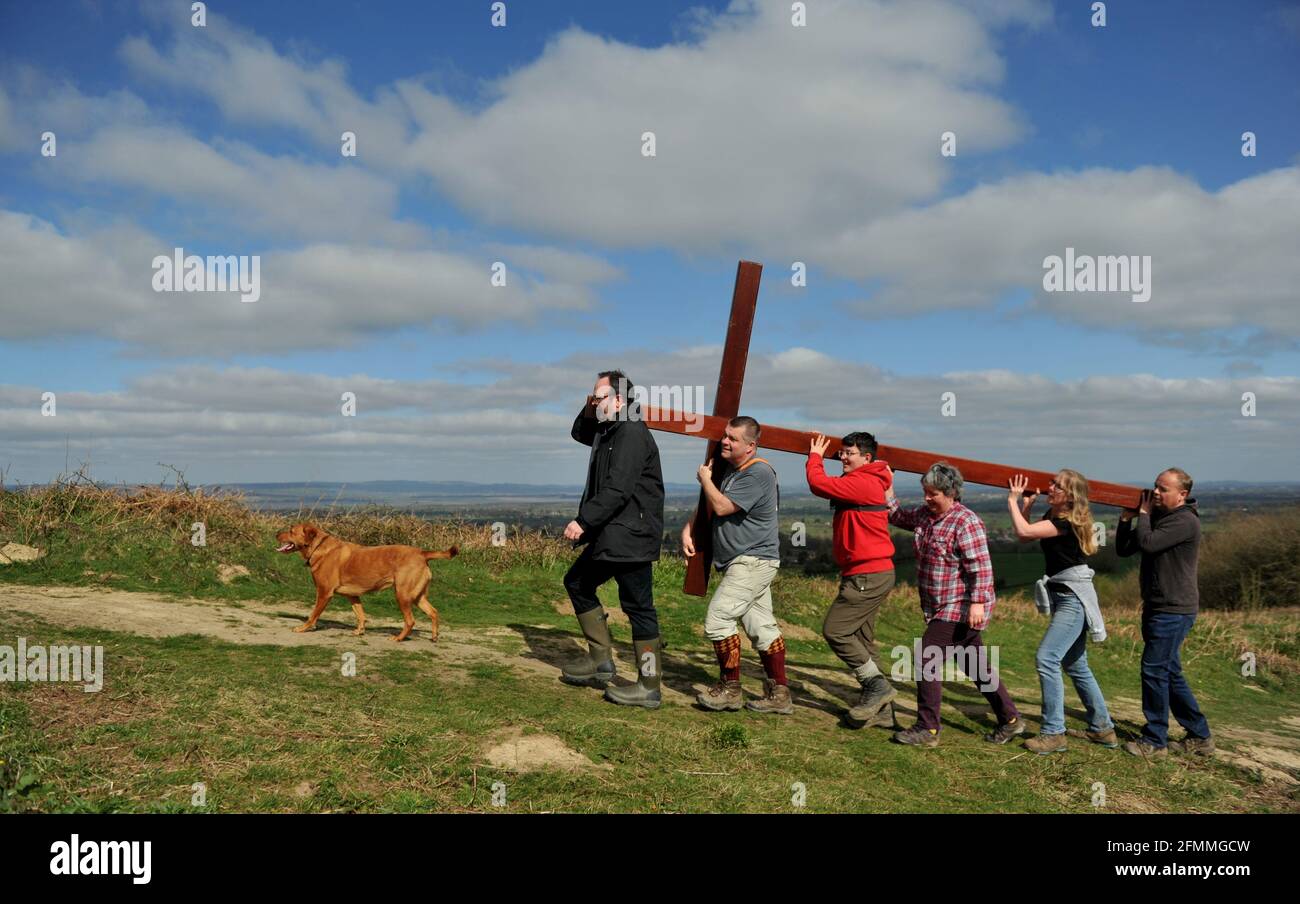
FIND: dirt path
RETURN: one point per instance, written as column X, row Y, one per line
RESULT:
column 1273, row 755
column 259, row 622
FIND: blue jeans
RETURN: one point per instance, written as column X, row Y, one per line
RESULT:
column 1163, row 686
column 1065, row 644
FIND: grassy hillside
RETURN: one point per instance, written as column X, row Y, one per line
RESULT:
column 271, row 727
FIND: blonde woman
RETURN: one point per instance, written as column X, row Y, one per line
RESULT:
column 1065, row 533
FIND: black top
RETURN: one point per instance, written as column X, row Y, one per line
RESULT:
column 622, row 508
column 1170, row 543
column 1062, row 551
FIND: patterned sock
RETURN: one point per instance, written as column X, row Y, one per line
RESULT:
column 728, row 653
column 774, row 660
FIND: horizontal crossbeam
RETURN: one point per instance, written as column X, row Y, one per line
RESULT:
column 709, row 427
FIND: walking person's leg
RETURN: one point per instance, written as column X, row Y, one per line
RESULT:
column 596, row 669
column 1182, row 702
column 843, row 619
column 1065, row 628
column 850, row 629
column 636, row 596
column 730, row 601
column 1161, row 633
column 969, row 644
column 1086, row 686
column 764, row 632
column 929, row 685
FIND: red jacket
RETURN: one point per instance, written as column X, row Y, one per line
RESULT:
column 862, row 541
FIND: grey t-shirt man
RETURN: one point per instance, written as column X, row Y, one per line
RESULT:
column 754, row 530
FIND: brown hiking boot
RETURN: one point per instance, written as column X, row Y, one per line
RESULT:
column 775, row 699
column 1194, row 746
column 1106, row 738
column 917, row 737
column 876, row 693
column 1006, row 732
column 884, row 718
column 1044, row 744
column 1145, row 749
column 723, row 695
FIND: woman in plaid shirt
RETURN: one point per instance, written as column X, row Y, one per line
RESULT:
column 954, row 575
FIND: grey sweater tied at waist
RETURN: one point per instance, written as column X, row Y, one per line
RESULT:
column 1079, row 579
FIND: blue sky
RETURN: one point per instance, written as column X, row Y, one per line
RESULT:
column 522, row 144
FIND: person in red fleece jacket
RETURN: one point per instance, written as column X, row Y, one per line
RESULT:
column 864, row 553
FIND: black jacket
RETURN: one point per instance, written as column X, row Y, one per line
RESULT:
column 1170, row 544
column 622, row 509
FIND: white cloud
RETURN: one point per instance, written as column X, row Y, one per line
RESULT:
column 264, row 195
column 319, row 296
column 766, row 133
column 249, row 424
column 1219, row 260
column 816, row 143
column 251, row 82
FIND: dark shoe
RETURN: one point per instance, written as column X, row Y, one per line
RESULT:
column 875, row 694
column 1194, row 746
column 883, row 719
column 645, row 692
column 1044, row 744
column 1145, row 749
column 775, row 699
column 725, row 695
column 1006, row 732
column 596, row 669
column 917, row 737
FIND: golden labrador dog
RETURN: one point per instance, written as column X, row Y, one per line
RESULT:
column 350, row 570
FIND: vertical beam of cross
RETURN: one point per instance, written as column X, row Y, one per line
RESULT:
column 726, row 404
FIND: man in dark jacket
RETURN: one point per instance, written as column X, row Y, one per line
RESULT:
column 620, row 519
column 1168, row 534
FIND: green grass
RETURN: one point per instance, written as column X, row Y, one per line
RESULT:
column 254, row 723
column 269, row 728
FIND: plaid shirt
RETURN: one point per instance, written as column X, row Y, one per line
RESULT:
column 953, row 568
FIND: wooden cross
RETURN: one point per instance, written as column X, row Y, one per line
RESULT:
column 726, row 405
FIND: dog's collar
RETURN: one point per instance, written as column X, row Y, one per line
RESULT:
column 311, row 550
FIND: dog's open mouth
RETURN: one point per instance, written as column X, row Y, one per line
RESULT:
column 286, row 547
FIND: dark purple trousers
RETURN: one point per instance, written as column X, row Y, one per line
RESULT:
column 966, row 641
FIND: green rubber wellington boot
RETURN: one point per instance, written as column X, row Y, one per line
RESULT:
column 646, row 690
column 596, row 669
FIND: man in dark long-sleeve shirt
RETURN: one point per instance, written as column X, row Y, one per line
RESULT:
column 621, row 520
column 1167, row 532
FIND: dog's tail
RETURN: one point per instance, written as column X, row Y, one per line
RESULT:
column 440, row 553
